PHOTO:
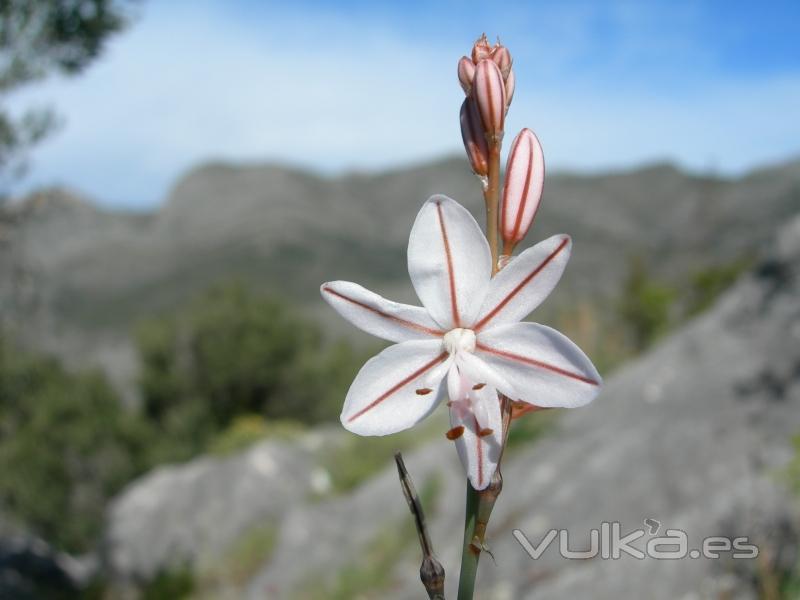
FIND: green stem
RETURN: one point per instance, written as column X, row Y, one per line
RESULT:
column 470, row 554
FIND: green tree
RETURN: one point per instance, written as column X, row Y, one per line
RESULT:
column 40, row 37
column 230, row 353
column 66, row 446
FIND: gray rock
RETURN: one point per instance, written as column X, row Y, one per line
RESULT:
column 188, row 515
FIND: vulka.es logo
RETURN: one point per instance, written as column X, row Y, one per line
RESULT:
column 609, row 542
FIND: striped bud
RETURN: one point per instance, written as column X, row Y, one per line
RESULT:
column 466, row 73
column 511, row 82
column 489, row 92
column 481, row 49
column 523, row 187
column 474, row 139
column 502, row 58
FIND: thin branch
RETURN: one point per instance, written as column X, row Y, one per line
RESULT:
column 431, row 572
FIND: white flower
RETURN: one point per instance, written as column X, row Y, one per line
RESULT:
column 467, row 342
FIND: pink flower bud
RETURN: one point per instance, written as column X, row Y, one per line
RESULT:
column 474, row 139
column 523, row 187
column 489, row 92
column 481, row 49
column 466, row 73
column 502, row 58
column 511, row 82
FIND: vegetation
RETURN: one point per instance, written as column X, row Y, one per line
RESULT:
column 649, row 307
column 174, row 584
column 39, row 37
column 233, row 368
column 645, row 305
column 233, row 353
column 707, row 284
column 66, row 447
column 246, row 430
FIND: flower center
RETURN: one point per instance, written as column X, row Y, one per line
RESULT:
column 459, row 340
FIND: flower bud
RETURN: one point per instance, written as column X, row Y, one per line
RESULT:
column 474, row 139
column 523, row 187
column 489, row 92
column 511, row 82
column 481, row 49
column 502, row 58
column 466, row 73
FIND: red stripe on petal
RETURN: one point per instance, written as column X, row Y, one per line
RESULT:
column 536, row 363
column 525, row 191
column 500, row 305
column 450, row 274
column 398, row 320
column 399, row 385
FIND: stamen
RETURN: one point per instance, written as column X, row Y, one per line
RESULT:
column 478, row 386
column 485, row 431
column 455, row 433
column 423, row 391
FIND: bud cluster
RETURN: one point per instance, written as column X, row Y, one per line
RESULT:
column 488, row 80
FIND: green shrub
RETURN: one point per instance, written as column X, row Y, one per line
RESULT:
column 707, row 284
column 246, row 430
column 173, row 584
column 66, row 446
column 644, row 305
column 233, row 352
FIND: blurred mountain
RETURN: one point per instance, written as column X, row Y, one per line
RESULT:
column 692, row 435
column 77, row 277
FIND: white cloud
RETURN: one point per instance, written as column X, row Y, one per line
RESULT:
column 191, row 83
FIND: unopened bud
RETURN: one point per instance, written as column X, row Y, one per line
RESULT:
column 481, row 49
column 523, row 187
column 466, row 73
column 474, row 139
column 489, row 92
column 502, row 58
column 510, row 84
column 432, row 575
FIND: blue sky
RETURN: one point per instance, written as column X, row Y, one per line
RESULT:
column 365, row 86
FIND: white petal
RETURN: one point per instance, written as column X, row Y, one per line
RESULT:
column 449, row 262
column 376, row 315
column 479, row 455
column 455, row 386
column 437, row 373
column 527, row 280
column 478, row 371
column 543, row 365
column 385, row 398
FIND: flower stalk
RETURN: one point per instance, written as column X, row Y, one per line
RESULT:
column 491, row 198
column 468, row 341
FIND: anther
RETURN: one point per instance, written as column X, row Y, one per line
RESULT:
column 455, row 433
